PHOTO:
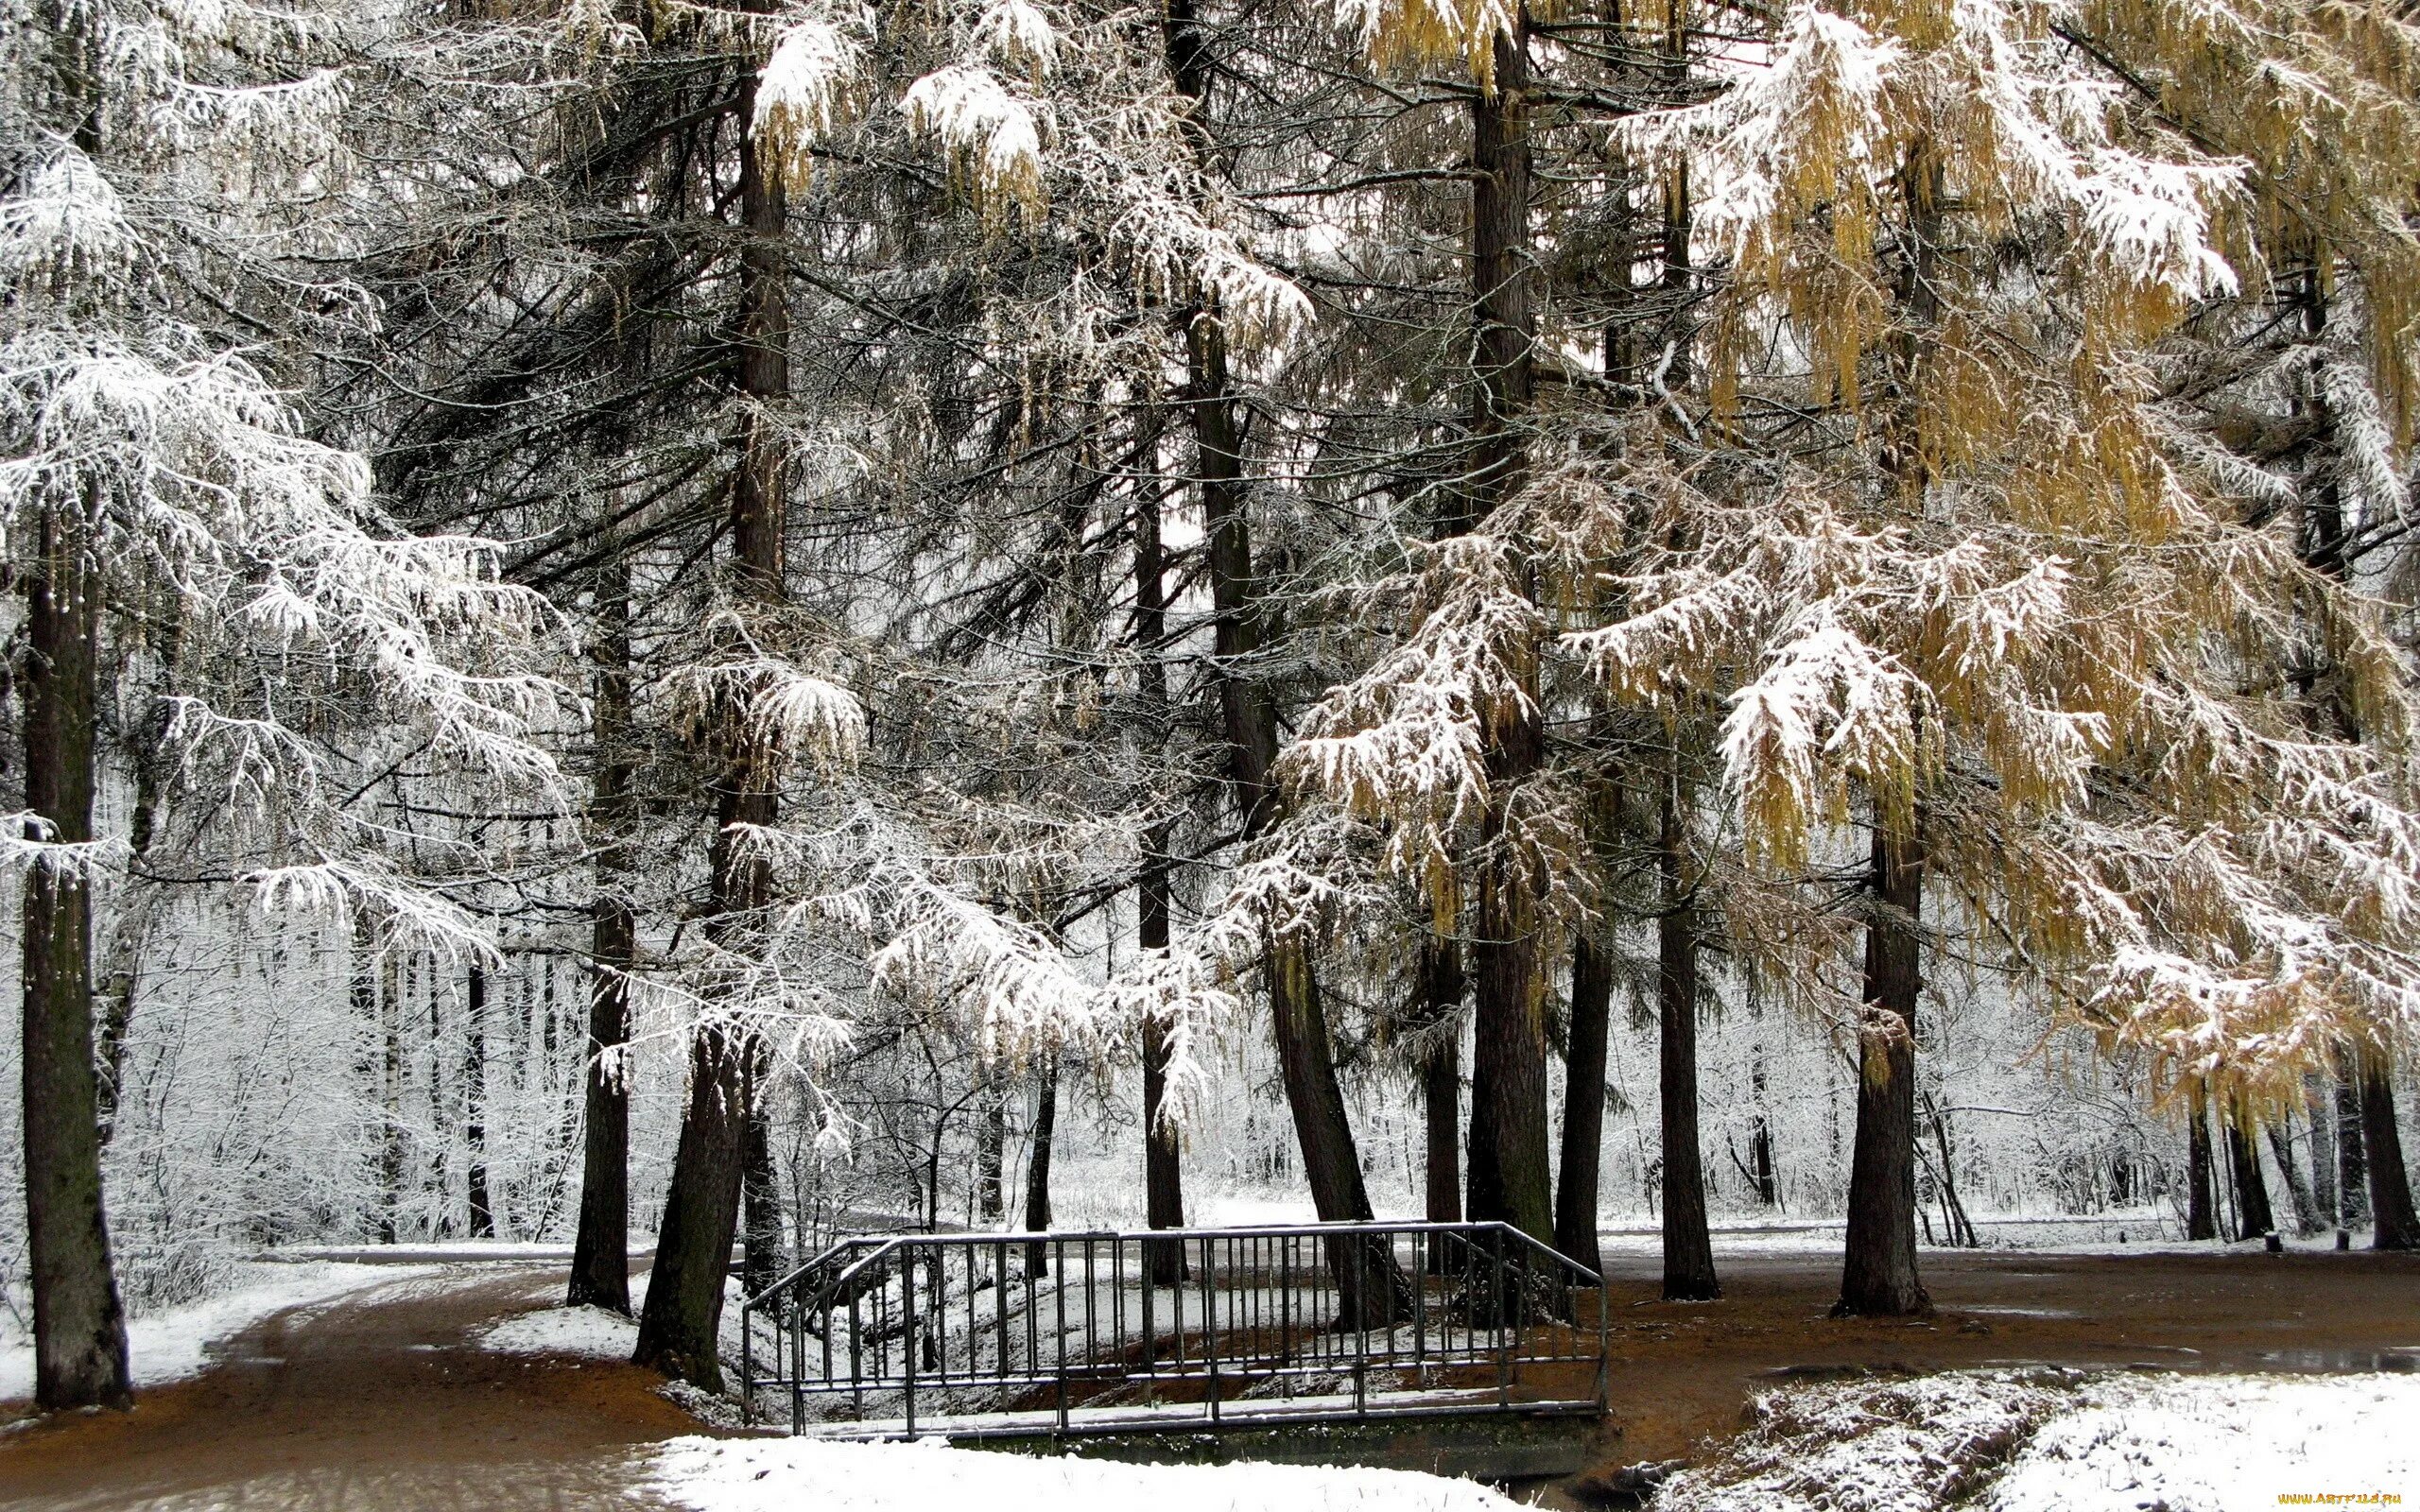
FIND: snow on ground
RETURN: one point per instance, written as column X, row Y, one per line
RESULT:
column 2067, row 1441
column 780, row 1475
column 583, row 1332
column 173, row 1344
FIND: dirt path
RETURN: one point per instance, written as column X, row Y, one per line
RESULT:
column 1683, row 1371
column 376, row 1401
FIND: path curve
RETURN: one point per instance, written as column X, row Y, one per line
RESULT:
column 380, row 1400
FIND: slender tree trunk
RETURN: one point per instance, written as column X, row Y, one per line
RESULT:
column 2352, row 1160
column 1510, row 1171
column 600, row 1267
column 79, row 1327
column 2322, row 1112
column 990, row 1149
column 679, row 1323
column 1162, row 1174
column 764, row 1261
column 1584, row 1104
column 1688, row 1248
column 2253, row 1216
column 1762, row 1176
column 474, row 1099
column 1037, row 1170
column 2202, row 1210
column 2307, row 1216
column 1880, row 1274
column 1440, row 1080
column 2395, row 1225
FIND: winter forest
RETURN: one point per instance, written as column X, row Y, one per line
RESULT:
column 689, row 627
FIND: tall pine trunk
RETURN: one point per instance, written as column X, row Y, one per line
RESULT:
column 679, row 1323
column 601, row 1269
column 79, row 1327
column 764, row 1261
column 2322, row 1112
column 1878, row 1276
column 1037, row 1170
column 1510, row 1175
column 2351, row 1161
column 2395, row 1225
column 1440, row 1078
column 1688, row 1248
column 2202, row 1205
column 474, row 1102
column 2253, row 1215
column 2306, row 1215
column 1584, row 1104
column 1162, row 1176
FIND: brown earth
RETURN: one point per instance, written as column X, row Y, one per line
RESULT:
column 379, row 1400
column 1682, row 1372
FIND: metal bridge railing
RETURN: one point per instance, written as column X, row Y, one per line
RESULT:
column 973, row 1333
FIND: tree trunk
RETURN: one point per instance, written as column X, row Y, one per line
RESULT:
column 2395, row 1226
column 1583, row 1106
column 760, row 1179
column 1688, row 1248
column 1440, row 1080
column 1162, row 1176
column 1037, row 1170
column 2201, row 1210
column 2253, row 1217
column 2322, row 1112
column 2352, row 1160
column 679, row 1323
column 601, row 1269
column 474, row 1099
column 79, row 1327
column 1878, row 1278
column 1762, row 1176
column 991, row 1150
column 2307, row 1216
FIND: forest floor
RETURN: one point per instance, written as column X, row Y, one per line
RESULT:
column 388, row 1398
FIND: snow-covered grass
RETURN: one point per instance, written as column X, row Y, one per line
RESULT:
column 582, row 1333
column 779, row 1475
column 175, row 1344
column 2066, row 1441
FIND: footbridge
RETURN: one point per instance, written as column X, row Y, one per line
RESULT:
column 1013, row 1335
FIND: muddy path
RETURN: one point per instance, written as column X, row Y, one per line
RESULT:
column 379, row 1400
column 1683, row 1371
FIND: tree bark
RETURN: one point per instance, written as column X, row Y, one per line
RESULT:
column 1037, row 1170
column 2253, row 1215
column 601, row 1269
column 1162, row 1173
column 678, row 1325
column 1584, row 1104
column 2201, row 1209
column 474, row 1099
column 764, row 1260
column 2322, row 1112
column 1688, row 1248
column 2306, row 1215
column 2394, row 1223
column 1878, row 1278
column 79, row 1326
column 2352, row 1160
column 1440, row 1080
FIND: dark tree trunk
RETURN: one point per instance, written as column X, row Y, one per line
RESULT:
column 2253, row 1217
column 760, row 1185
column 474, row 1100
column 2322, row 1112
column 990, row 1149
column 1688, row 1248
column 80, row 1328
column 2307, row 1216
column 2352, row 1160
column 1584, row 1104
column 1878, row 1278
column 2201, row 1207
column 1762, row 1176
column 2395, row 1225
column 1440, row 1078
column 1162, row 1176
column 678, row 1325
column 601, row 1269
column 1037, row 1170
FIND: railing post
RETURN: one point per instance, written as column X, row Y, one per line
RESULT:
column 1059, row 1268
column 907, row 1338
column 747, row 1368
column 1361, row 1326
column 1507, row 1322
column 798, row 1362
column 1209, row 1327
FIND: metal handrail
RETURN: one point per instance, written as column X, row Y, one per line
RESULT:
column 965, row 1314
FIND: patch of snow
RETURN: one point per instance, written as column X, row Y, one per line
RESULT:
column 780, row 1475
column 173, row 1344
column 2218, row 1443
column 583, row 1332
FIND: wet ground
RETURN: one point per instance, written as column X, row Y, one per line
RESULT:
column 380, row 1400
column 376, row 1402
